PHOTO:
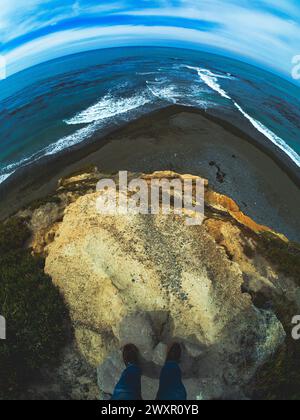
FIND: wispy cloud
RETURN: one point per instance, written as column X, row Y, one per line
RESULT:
column 266, row 32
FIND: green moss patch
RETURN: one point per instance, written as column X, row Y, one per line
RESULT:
column 34, row 311
column 285, row 256
column 43, row 201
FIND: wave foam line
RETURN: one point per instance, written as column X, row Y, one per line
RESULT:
column 52, row 149
column 211, row 80
column 3, row 177
column 279, row 142
column 71, row 140
column 166, row 93
column 108, row 107
column 11, row 168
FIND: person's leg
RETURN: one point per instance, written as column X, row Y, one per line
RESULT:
column 129, row 386
column 171, row 386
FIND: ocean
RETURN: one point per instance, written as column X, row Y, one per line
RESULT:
column 56, row 105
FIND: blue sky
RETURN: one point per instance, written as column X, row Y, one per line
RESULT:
column 263, row 32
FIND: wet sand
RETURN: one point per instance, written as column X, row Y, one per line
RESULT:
column 244, row 166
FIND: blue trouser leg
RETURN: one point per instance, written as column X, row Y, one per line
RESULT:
column 171, row 386
column 129, row 386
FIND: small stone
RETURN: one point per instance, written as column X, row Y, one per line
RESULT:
column 194, row 350
column 159, row 354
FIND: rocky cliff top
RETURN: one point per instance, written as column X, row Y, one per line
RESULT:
column 226, row 289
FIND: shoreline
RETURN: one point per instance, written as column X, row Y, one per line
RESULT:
column 155, row 133
column 242, row 128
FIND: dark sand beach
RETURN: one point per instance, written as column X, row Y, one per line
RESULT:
column 244, row 166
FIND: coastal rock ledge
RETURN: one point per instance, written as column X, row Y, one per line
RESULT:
column 151, row 280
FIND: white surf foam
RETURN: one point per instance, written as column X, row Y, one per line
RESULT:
column 187, row 96
column 109, row 107
column 10, row 169
column 271, row 136
column 3, row 177
column 166, row 93
column 146, row 73
column 71, row 140
column 52, row 149
column 94, row 116
column 211, row 80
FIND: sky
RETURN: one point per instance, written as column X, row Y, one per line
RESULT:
column 261, row 32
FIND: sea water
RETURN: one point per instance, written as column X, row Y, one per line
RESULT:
column 56, row 105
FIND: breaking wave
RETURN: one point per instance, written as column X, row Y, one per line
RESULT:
column 158, row 91
column 211, row 80
column 108, row 107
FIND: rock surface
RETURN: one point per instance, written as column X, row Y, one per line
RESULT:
column 153, row 279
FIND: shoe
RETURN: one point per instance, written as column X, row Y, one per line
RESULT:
column 174, row 353
column 130, row 355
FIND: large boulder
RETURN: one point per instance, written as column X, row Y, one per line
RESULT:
column 151, row 280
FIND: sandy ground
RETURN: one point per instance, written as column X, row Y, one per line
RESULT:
column 185, row 141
